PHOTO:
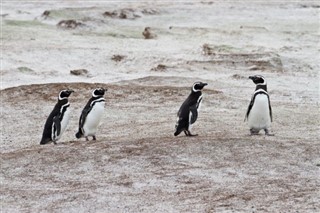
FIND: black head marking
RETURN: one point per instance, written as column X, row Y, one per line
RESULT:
column 98, row 92
column 65, row 93
column 198, row 86
column 258, row 79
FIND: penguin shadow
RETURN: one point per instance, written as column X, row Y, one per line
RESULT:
column 260, row 135
column 80, row 142
column 73, row 143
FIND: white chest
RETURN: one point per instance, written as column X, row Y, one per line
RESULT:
column 65, row 119
column 259, row 116
column 199, row 102
column 93, row 118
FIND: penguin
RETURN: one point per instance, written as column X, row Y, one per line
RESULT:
column 259, row 113
column 188, row 112
column 91, row 115
column 58, row 119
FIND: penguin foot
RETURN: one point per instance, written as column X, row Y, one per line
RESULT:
column 177, row 133
column 254, row 132
column 87, row 139
column 267, row 133
column 55, row 143
column 78, row 135
column 94, row 138
column 188, row 133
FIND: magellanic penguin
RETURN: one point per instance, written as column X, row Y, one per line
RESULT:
column 58, row 119
column 259, row 113
column 91, row 115
column 188, row 112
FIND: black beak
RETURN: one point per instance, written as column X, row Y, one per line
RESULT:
column 204, row 84
column 103, row 90
column 251, row 77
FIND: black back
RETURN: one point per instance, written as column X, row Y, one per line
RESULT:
column 56, row 113
column 56, row 116
column 191, row 104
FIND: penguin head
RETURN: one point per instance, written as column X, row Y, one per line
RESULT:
column 64, row 94
column 258, row 79
column 198, row 86
column 98, row 92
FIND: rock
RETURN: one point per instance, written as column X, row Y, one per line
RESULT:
column 237, row 76
column 25, row 69
column 46, row 13
column 69, row 24
column 79, row 72
column 254, row 67
column 148, row 34
column 118, row 58
column 110, row 14
column 237, row 57
column 130, row 13
column 122, row 14
column 160, row 67
column 207, row 50
column 149, row 11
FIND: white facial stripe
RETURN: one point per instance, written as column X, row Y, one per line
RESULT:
column 93, row 95
column 60, row 95
column 98, row 100
column 259, row 91
column 65, row 105
column 264, row 83
column 194, row 89
column 264, row 80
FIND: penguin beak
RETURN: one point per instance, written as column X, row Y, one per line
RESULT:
column 251, row 77
column 71, row 91
column 103, row 90
column 204, row 84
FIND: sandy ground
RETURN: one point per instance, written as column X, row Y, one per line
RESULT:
column 137, row 165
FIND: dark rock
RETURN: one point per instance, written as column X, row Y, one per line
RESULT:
column 69, row 24
column 160, row 67
column 79, row 72
column 117, row 58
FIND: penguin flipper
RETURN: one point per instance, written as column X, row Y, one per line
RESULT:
column 194, row 114
column 57, row 124
column 270, row 110
column 249, row 108
column 83, row 117
column 82, row 120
